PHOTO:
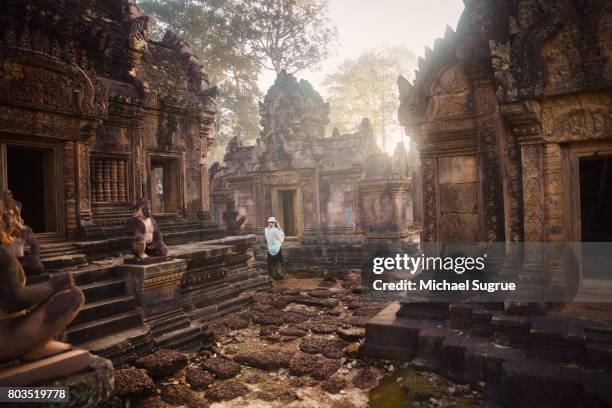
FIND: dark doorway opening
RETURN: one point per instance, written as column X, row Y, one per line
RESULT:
column 30, row 177
column 596, row 199
column 288, row 206
column 165, row 179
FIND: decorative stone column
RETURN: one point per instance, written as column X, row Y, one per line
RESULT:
column 138, row 158
column 525, row 126
column 83, row 175
column 430, row 200
column 70, row 188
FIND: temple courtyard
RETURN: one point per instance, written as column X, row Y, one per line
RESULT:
column 296, row 345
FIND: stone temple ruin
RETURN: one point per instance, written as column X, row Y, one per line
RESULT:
column 330, row 194
column 94, row 115
column 510, row 118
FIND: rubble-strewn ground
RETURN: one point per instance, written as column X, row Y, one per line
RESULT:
column 296, row 346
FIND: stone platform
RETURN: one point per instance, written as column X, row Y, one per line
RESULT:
column 543, row 361
column 133, row 309
column 31, row 373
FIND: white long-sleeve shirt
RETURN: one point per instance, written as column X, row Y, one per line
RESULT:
column 274, row 238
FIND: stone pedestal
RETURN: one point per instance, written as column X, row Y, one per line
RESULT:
column 392, row 337
column 60, row 365
column 93, row 388
column 156, row 288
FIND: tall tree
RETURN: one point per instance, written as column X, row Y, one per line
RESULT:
column 367, row 87
column 289, row 34
column 219, row 36
column 236, row 39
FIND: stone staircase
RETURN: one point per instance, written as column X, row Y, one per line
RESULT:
column 55, row 253
column 110, row 323
column 108, row 308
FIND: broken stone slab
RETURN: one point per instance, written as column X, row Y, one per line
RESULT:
column 330, row 348
column 179, row 394
column 280, row 302
column 334, row 384
column 162, row 363
column 320, row 293
column 226, row 391
column 292, row 332
column 198, row 379
column 280, row 394
column 270, row 359
column 310, row 301
column 266, row 319
column 134, row 383
column 315, row 366
column 223, row 368
column 367, row 378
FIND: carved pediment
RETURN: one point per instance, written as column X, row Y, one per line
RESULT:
column 451, row 95
column 39, row 81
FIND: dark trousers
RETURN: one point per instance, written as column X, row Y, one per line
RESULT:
column 275, row 265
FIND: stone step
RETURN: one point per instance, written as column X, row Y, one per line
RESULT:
column 95, row 273
column 46, row 252
column 191, row 338
column 122, row 346
column 44, row 237
column 103, row 290
column 104, row 308
column 63, row 261
column 84, row 332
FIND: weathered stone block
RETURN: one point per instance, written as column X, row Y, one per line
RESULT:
column 156, row 286
column 457, row 169
column 390, row 337
column 460, row 227
column 459, row 198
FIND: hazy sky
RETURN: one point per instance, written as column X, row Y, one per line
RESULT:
column 367, row 24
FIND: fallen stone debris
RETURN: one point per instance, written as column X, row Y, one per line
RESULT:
column 290, row 348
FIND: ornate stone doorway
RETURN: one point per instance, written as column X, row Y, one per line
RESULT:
column 30, row 172
column 164, row 184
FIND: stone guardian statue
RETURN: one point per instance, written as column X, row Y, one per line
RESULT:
column 31, row 316
column 148, row 240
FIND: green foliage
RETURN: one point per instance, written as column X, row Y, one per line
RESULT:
column 289, row 34
column 235, row 40
column 367, row 87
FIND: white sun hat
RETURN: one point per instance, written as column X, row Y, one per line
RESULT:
column 271, row 219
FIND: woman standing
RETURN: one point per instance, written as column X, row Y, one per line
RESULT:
column 275, row 237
